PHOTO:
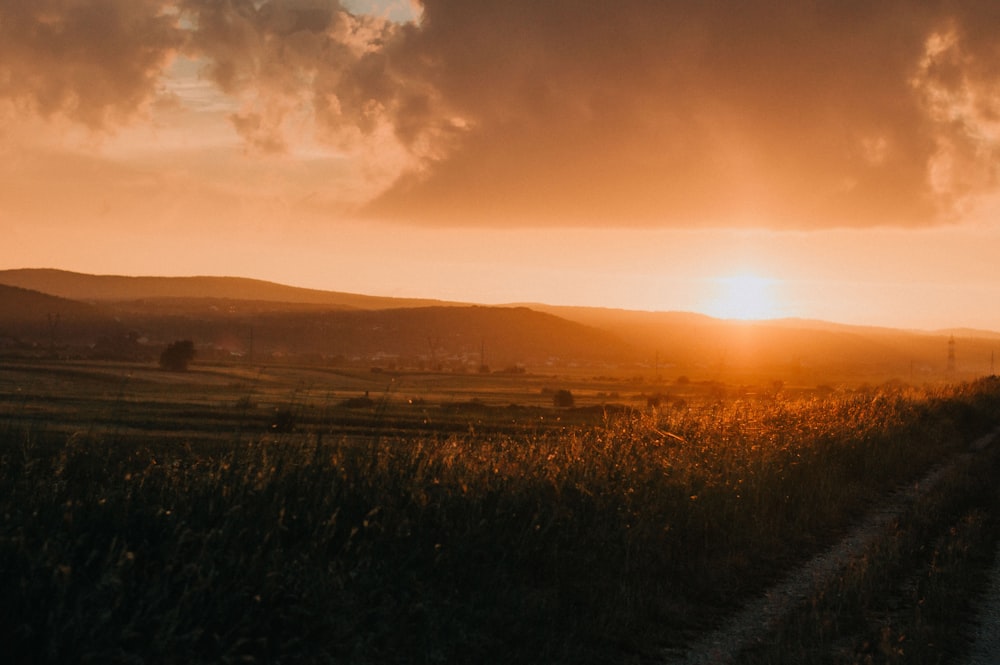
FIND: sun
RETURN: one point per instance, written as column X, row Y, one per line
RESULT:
column 744, row 296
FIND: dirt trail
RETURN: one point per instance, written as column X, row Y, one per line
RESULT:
column 986, row 642
column 752, row 624
column 985, row 648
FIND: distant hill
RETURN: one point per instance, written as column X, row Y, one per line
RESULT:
column 98, row 288
column 427, row 336
column 797, row 350
column 960, row 333
column 229, row 317
column 451, row 337
column 18, row 305
column 31, row 319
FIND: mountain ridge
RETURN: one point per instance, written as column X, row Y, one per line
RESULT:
column 87, row 287
column 240, row 315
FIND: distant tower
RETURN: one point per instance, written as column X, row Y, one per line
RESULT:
column 483, row 367
column 433, row 343
column 53, row 324
column 951, row 354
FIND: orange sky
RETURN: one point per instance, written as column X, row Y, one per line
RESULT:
column 840, row 159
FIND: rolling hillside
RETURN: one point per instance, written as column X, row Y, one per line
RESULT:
column 792, row 349
column 31, row 319
column 110, row 288
column 446, row 337
column 266, row 322
column 441, row 337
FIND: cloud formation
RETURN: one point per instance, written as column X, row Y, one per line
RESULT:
column 763, row 113
column 506, row 112
column 96, row 61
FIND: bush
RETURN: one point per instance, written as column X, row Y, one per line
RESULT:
column 177, row 356
column 562, row 398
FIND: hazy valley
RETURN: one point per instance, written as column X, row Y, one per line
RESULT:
column 58, row 313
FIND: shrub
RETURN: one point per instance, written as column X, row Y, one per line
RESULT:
column 562, row 398
column 177, row 356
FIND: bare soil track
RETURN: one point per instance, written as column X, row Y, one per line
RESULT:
column 985, row 649
column 752, row 624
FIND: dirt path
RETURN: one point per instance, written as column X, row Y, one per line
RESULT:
column 986, row 643
column 752, row 624
column 985, row 648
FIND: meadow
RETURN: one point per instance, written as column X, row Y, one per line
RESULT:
column 296, row 515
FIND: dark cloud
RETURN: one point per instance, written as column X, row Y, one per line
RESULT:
column 96, row 62
column 638, row 112
column 659, row 112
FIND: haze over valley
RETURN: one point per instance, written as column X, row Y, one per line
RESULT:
column 61, row 314
column 759, row 160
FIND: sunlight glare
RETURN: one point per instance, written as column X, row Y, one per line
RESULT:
column 745, row 296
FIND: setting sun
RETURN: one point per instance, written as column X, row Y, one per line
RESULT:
column 679, row 161
column 743, row 296
column 533, row 327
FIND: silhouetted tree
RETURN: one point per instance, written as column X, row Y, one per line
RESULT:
column 562, row 398
column 177, row 356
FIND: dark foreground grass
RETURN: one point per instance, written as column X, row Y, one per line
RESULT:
column 909, row 597
column 591, row 544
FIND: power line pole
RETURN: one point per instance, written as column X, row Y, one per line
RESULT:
column 53, row 325
column 951, row 355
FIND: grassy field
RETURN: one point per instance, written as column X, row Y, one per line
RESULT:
column 297, row 515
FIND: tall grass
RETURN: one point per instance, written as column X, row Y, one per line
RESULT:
column 909, row 596
column 582, row 545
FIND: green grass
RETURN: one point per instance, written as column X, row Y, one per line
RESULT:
column 567, row 543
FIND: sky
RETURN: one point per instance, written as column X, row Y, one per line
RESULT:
column 824, row 159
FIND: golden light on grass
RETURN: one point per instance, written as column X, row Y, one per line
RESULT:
column 745, row 296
